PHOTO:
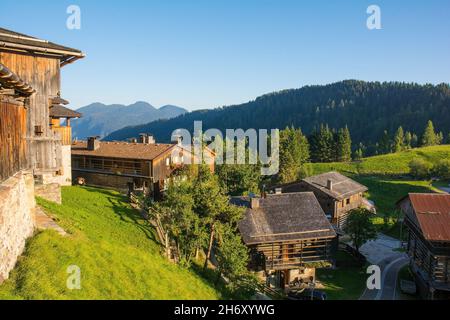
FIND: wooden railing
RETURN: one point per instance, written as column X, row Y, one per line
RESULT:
column 65, row 133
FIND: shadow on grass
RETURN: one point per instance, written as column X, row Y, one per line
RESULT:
column 121, row 207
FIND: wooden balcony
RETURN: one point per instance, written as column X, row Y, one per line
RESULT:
column 65, row 133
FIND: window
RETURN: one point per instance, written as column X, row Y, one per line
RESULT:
column 168, row 162
column 347, row 201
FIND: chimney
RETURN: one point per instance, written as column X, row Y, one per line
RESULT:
column 178, row 139
column 254, row 203
column 330, row 184
column 93, row 143
column 146, row 138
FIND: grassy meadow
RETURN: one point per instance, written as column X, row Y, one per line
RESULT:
column 114, row 249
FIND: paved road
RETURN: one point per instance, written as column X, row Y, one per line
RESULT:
column 390, row 266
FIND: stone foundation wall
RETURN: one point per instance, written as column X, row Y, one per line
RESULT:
column 17, row 207
column 50, row 192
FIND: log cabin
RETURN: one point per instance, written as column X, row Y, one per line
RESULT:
column 427, row 223
column 38, row 63
column 288, row 236
column 337, row 194
column 143, row 164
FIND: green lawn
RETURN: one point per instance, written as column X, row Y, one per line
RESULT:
column 114, row 248
column 343, row 283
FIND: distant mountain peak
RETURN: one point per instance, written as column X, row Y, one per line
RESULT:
column 100, row 119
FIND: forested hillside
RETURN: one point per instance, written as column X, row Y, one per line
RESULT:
column 367, row 108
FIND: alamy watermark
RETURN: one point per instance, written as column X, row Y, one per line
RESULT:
column 241, row 147
column 73, row 21
column 73, row 281
column 374, row 20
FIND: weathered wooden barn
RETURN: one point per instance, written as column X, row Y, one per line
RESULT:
column 38, row 63
column 337, row 194
column 146, row 165
column 288, row 236
column 427, row 222
column 30, row 149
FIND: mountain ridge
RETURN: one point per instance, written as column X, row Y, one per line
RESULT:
column 99, row 119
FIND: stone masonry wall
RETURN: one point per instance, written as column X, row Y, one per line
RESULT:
column 17, row 207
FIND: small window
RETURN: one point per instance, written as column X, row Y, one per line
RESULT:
column 347, row 201
column 168, row 162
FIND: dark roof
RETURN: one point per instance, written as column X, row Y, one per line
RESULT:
column 283, row 217
column 343, row 187
column 432, row 212
column 10, row 80
column 122, row 150
column 59, row 111
column 14, row 40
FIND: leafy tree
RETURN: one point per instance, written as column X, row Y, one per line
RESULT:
column 212, row 206
column 442, row 169
column 179, row 220
column 294, row 153
column 232, row 259
column 420, row 168
column 429, row 137
column 399, row 140
column 343, row 145
column 359, row 227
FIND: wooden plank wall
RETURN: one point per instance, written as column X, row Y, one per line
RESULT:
column 13, row 146
column 43, row 74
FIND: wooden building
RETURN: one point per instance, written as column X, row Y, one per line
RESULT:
column 337, row 194
column 288, row 236
column 38, row 63
column 14, row 106
column 427, row 222
column 146, row 165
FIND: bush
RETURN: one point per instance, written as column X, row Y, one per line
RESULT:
column 442, row 169
column 420, row 168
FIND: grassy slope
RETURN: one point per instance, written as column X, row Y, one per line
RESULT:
column 389, row 164
column 113, row 247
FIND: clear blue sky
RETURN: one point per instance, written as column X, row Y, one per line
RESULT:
column 205, row 54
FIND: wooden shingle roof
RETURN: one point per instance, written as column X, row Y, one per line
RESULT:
column 122, row 150
column 283, row 217
column 59, row 111
column 343, row 187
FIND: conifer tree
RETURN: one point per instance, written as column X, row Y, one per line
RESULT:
column 399, row 140
column 429, row 137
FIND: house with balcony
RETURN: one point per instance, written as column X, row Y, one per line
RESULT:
column 140, row 164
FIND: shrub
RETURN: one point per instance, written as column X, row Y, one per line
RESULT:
column 420, row 168
column 442, row 169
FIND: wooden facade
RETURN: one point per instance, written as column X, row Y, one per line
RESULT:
column 38, row 63
column 427, row 221
column 13, row 143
